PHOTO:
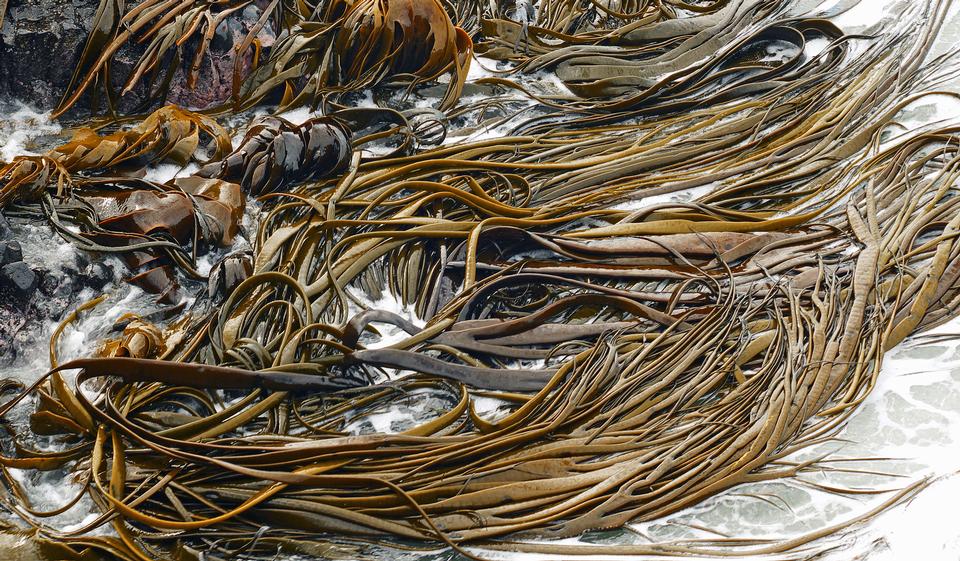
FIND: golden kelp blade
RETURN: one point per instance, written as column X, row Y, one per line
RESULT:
column 332, row 46
column 150, row 224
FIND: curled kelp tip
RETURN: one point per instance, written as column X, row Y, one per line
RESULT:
column 139, row 339
column 26, row 178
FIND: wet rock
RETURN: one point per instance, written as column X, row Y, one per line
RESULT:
column 49, row 284
column 27, row 308
column 214, row 83
column 98, row 275
column 19, row 278
column 41, row 41
column 56, row 295
column 10, row 252
column 5, row 231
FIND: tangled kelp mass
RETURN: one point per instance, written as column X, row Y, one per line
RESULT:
column 320, row 48
column 646, row 355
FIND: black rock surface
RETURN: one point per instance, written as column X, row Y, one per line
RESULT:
column 10, row 252
column 39, row 44
column 19, row 279
column 6, row 232
column 41, row 41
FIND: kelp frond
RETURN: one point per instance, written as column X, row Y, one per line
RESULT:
column 335, row 46
column 645, row 356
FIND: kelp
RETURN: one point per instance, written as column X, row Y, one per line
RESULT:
column 170, row 133
column 275, row 153
column 396, row 37
column 156, row 227
column 165, row 27
column 558, row 24
column 645, row 356
column 140, row 339
column 161, row 228
column 26, row 178
column 190, row 213
column 660, row 63
column 333, row 46
column 345, row 46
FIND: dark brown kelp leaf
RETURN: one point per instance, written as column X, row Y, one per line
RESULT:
column 219, row 207
column 168, row 214
column 276, row 153
column 193, row 212
column 228, row 274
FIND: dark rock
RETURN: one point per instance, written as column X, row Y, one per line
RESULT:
column 49, row 284
column 55, row 295
column 6, row 232
column 42, row 40
column 67, row 288
column 214, row 83
column 26, row 309
column 10, row 252
column 98, row 275
column 19, row 278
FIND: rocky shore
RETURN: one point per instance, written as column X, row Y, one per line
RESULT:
column 31, row 296
column 41, row 39
column 40, row 42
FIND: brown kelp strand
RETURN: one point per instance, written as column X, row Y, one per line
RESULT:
column 320, row 48
column 658, row 55
column 159, row 228
column 645, row 357
column 341, row 46
column 571, row 29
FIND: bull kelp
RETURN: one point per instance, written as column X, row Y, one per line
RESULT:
column 645, row 355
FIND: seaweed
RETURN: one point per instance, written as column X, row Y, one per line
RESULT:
column 649, row 355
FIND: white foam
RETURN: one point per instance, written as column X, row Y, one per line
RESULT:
column 20, row 128
column 162, row 173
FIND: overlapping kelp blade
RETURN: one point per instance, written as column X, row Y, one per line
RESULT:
column 647, row 357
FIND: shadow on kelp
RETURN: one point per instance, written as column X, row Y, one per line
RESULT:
column 299, row 53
